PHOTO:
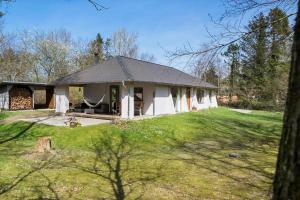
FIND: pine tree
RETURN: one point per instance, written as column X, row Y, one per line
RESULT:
column 254, row 56
column 233, row 59
column 278, row 66
column 97, row 48
column 211, row 75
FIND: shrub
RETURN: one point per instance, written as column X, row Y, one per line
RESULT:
column 253, row 104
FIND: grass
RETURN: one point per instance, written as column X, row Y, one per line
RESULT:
column 184, row 156
column 3, row 116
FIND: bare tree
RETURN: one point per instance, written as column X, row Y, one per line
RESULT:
column 97, row 5
column 81, row 54
column 15, row 61
column 52, row 52
column 147, row 57
column 124, row 43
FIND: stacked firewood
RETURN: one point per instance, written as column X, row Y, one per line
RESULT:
column 20, row 99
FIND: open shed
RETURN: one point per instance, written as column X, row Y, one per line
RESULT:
column 21, row 95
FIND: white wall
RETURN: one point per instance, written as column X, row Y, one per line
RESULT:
column 163, row 101
column 94, row 92
column 148, row 90
column 4, row 98
column 206, row 103
column 178, row 101
column 184, row 105
column 127, row 102
column 213, row 102
column 61, row 99
column 148, row 99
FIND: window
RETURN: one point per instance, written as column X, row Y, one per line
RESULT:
column 200, row 96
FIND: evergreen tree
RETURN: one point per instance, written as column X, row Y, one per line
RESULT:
column 278, row 66
column 97, row 48
column 211, row 75
column 254, row 56
column 233, row 59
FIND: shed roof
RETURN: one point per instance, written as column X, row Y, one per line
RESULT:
column 122, row 69
column 24, row 83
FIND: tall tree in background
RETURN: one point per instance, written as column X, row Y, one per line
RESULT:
column 254, row 55
column 97, row 48
column 211, row 75
column 52, row 53
column 124, row 43
column 278, row 63
column 233, row 59
column 15, row 65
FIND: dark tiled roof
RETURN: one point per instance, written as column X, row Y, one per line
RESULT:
column 119, row 69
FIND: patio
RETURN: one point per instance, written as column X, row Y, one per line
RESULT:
column 63, row 120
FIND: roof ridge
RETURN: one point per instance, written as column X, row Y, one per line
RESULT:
column 173, row 68
column 124, row 68
column 149, row 62
column 88, row 67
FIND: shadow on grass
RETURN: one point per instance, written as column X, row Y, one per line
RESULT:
column 37, row 167
column 7, row 138
column 8, row 134
column 217, row 136
column 114, row 161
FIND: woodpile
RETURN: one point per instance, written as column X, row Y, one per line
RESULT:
column 20, row 98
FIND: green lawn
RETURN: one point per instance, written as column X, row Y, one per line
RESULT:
column 3, row 115
column 184, row 156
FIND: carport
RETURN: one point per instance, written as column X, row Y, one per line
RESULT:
column 23, row 95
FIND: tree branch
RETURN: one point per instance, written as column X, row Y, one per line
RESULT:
column 97, row 5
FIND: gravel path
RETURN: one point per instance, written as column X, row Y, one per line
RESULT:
column 242, row 111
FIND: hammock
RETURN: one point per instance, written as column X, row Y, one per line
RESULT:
column 91, row 105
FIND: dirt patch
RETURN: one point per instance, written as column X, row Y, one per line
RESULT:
column 26, row 114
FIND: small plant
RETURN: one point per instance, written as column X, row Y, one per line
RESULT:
column 73, row 122
column 194, row 109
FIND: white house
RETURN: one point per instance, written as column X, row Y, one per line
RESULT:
column 128, row 87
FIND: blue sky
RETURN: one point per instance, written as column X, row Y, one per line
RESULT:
column 159, row 23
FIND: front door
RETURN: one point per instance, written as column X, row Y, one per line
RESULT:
column 188, row 98
column 114, row 99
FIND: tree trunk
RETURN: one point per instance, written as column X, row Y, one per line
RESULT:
column 287, row 178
